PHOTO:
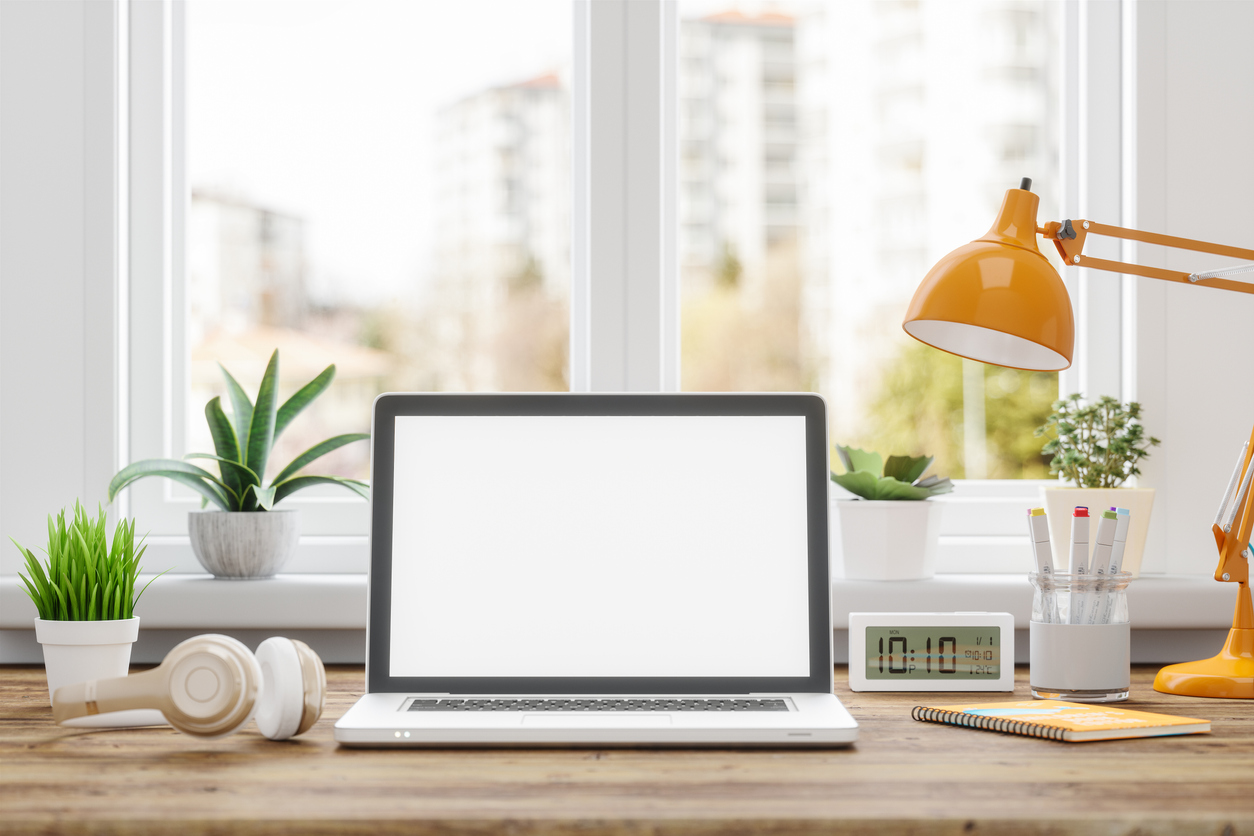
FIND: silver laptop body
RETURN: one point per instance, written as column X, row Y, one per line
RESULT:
column 599, row 570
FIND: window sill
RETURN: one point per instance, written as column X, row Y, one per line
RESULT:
column 1156, row 602
column 1175, row 618
column 335, row 604
column 200, row 602
column 327, row 611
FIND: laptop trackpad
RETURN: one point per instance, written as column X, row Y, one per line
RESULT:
column 586, row 721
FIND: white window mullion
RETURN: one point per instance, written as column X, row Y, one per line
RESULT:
column 624, row 247
column 152, row 429
column 178, row 374
column 105, row 262
column 1093, row 174
column 580, row 308
column 669, row 221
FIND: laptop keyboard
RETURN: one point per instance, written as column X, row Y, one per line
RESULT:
column 599, row 705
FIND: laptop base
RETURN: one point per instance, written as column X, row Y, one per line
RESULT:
column 381, row 721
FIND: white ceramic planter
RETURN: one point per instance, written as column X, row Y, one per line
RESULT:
column 79, row 651
column 243, row 544
column 882, row 540
column 1060, row 502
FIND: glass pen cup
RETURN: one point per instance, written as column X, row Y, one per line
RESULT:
column 1081, row 641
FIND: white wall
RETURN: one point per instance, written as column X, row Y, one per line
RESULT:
column 57, row 263
column 1191, row 174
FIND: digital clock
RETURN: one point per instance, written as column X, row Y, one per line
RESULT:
column 931, row 651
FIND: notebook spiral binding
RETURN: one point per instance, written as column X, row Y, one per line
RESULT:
column 976, row 721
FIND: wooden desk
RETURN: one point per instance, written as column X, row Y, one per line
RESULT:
column 902, row 776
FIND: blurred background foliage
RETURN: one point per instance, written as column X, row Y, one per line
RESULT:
column 918, row 410
column 741, row 335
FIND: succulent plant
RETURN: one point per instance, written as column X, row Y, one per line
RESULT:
column 870, row 477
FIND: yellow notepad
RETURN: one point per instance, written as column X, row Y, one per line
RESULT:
column 1056, row 720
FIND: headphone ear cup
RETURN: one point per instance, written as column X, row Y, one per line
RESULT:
column 212, row 686
column 293, row 690
column 315, row 678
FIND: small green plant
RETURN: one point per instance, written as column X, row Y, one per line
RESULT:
column 870, row 477
column 243, row 445
column 85, row 579
column 1095, row 445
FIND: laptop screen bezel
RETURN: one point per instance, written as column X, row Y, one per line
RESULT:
column 388, row 407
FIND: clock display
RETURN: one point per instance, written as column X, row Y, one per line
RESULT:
column 933, row 653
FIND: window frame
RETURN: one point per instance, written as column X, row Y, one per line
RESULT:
column 334, row 533
column 625, row 278
column 64, row 394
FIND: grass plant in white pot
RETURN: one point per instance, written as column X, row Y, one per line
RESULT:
column 247, row 537
column 85, row 595
column 1096, row 448
column 890, row 533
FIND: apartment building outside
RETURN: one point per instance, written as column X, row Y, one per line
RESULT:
column 739, row 143
column 920, row 116
column 246, row 263
column 847, row 145
column 248, row 296
column 502, row 198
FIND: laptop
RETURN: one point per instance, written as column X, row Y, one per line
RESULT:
column 599, row 570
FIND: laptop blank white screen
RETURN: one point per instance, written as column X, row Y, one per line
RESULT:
column 599, row 546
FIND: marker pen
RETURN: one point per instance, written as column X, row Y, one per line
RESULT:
column 1106, row 528
column 1121, row 539
column 1038, row 530
column 1101, row 560
column 1116, row 557
column 1038, row 533
column 1079, row 564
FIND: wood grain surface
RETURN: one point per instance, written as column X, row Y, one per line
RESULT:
column 903, row 776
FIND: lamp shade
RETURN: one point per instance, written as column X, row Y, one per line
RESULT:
column 997, row 299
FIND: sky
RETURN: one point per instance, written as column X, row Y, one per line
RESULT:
column 324, row 108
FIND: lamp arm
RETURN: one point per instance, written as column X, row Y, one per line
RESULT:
column 1069, row 238
column 1234, row 538
column 1234, row 541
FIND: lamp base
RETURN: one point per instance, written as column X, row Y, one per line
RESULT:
column 1230, row 674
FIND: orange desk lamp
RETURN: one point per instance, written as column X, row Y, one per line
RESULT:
column 999, row 301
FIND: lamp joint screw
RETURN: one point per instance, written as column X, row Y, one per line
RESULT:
column 1226, row 577
column 1086, row 224
column 1075, row 259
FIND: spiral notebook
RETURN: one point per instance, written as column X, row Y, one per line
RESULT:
column 1056, row 720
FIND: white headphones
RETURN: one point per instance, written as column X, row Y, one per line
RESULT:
column 211, row 686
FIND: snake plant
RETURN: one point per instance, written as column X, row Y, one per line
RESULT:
column 242, row 445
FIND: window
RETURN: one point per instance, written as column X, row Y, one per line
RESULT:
column 863, row 143
column 784, row 280
column 401, row 211
column 96, row 108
